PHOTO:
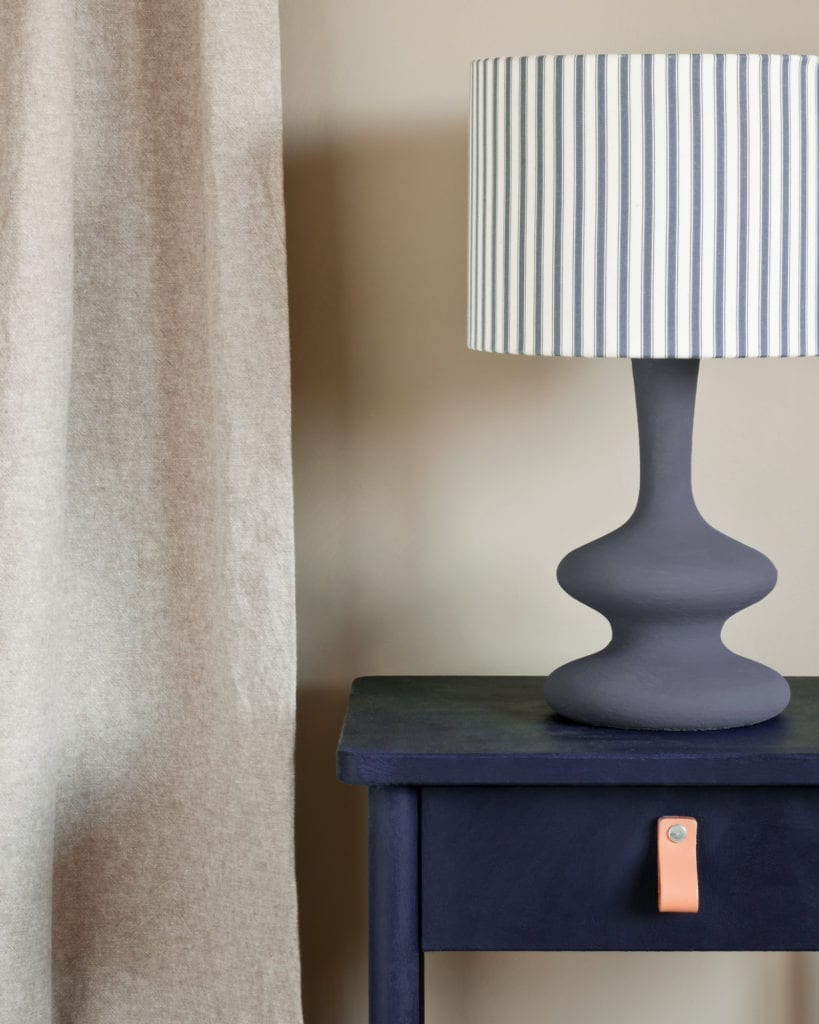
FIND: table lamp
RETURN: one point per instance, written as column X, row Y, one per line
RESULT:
column 663, row 209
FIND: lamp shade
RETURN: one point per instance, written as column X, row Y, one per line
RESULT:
column 644, row 205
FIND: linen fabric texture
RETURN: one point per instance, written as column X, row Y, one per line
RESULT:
column 648, row 205
column 146, row 571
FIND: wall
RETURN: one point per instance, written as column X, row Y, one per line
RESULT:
column 437, row 488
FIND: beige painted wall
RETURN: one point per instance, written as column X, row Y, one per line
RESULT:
column 437, row 488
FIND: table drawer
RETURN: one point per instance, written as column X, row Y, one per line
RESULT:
column 574, row 868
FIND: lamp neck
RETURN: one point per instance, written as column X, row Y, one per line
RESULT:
column 665, row 391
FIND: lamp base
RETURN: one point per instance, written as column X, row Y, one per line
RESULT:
column 666, row 581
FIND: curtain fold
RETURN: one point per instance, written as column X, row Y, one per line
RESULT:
column 147, row 648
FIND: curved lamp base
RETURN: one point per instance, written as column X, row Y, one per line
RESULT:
column 666, row 581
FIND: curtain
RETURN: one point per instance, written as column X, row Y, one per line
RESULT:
column 146, row 551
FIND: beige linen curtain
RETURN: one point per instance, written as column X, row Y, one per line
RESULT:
column 146, row 565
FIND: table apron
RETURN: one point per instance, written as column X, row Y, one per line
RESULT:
column 575, row 868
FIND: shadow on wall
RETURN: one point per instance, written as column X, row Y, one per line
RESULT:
column 331, row 862
column 376, row 277
column 331, row 851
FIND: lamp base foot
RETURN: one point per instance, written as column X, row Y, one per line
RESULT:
column 629, row 689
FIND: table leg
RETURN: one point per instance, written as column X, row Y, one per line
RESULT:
column 396, row 960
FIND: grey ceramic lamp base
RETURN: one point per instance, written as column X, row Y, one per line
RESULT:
column 666, row 581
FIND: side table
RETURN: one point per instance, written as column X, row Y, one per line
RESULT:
column 493, row 825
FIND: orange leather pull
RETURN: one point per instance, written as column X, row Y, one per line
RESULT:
column 678, row 890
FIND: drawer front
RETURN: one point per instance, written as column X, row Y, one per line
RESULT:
column 575, row 868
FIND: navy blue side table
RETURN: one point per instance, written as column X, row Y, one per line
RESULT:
column 494, row 825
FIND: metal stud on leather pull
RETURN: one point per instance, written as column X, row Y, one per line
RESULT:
column 677, row 881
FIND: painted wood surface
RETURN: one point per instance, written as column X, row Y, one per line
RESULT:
column 575, row 868
column 494, row 824
column 452, row 730
column 396, row 960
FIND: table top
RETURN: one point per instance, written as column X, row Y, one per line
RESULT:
column 494, row 730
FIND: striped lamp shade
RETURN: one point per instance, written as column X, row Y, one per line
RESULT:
column 645, row 205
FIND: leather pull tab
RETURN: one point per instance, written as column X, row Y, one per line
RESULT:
column 678, row 890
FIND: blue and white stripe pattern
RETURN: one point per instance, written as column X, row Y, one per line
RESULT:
column 645, row 205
